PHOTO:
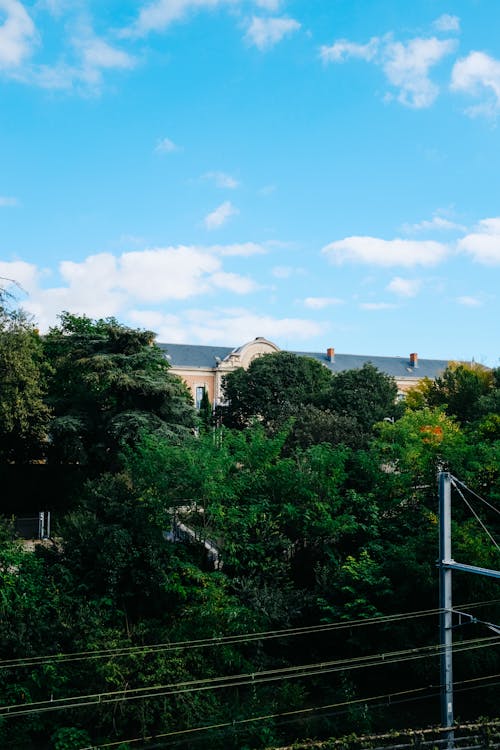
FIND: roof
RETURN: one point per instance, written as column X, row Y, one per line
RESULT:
column 207, row 357
column 398, row 367
column 192, row 355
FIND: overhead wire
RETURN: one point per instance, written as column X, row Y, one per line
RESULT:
column 315, row 709
column 476, row 516
column 224, row 682
column 223, row 640
column 476, row 495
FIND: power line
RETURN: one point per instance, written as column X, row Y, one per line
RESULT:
column 257, row 678
column 476, row 516
column 223, row 640
column 316, row 709
column 464, row 486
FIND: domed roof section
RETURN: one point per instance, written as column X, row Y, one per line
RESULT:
column 242, row 356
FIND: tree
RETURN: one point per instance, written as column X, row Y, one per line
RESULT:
column 366, row 395
column 273, row 388
column 23, row 414
column 109, row 384
column 461, row 389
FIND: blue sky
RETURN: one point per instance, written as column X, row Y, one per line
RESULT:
column 318, row 172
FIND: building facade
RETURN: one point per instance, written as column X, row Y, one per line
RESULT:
column 204, row 367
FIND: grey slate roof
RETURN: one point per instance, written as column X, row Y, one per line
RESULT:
column 190, row 355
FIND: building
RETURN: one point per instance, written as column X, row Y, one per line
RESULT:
column 203, row 367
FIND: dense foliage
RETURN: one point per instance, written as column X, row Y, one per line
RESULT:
column 304, row 510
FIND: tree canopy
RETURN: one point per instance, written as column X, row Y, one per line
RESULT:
column 109, row 383
column 24, row 415
column 273, row 388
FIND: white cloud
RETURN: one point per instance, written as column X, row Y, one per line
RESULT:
column 107, row 284
column 437, row 222
column 319, row 303
column 264, row 33
column 242, row 249
column 406, row 64
column 8, row 202
column 469, row 301
column 220, row 215
column 161, row 274
column 483, row 245
column 407, row 68
column 224, row 326
column 158, row 15
column 166, row 146
column 478, row 74
column 404, row 287
column 18, row 34
column 343, row 50
column 270, row 5
column 446, row 23
column 221, row 180
column 98, row 54
column 232, row 282
column 376, row 306
column 234, row 326
column 18, row 271
column 379, row 252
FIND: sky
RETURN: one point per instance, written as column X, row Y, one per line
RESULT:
column 323, row 173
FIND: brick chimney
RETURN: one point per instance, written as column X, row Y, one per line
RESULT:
column 330, row 354
column 414, row 359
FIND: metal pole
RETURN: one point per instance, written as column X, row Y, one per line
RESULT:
column 445, row 604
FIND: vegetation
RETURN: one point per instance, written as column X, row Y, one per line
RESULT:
column 319, row 510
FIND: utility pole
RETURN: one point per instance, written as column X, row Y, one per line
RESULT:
column 446, row 604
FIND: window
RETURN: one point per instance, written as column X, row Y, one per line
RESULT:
column 200, row 390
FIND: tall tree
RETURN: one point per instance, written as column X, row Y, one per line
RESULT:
column 109, row 383
column 23, row 413
column 461, row 389
column 273, row 388
column 366, row 395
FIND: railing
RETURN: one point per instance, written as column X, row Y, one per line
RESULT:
column 33, row 527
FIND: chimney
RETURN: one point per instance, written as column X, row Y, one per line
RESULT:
column 330, row 354
column 414, row 359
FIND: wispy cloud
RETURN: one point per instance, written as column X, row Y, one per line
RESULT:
column 406, row 65
column 484, row 244
column 264, row 33
column 220, row 215
column 166, row 146
column 270, row 5
column 343, row 50
column 156, row 16
column 379, row 252
column 469, row 301
column 376, row 306
column 320, row 303
column 404, row 287
column 478, row 74
column 18, row 35
column 437, row 223
column 447, row 23
column 407, row 68
column 8, row 202
column 221, row 180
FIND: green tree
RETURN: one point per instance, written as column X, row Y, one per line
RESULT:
column 23, row 414
column 366, row 395
column 461, row 389
column 273, row 388
column 109, row 384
